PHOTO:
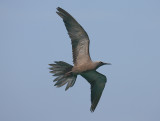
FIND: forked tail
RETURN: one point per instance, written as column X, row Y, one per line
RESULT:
column 61, row 69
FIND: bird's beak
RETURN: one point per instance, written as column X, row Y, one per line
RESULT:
column 107, row 64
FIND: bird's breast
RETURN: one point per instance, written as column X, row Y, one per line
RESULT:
column 82, row 68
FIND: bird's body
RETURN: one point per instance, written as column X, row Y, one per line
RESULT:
column 87, row 66
column 83, row 65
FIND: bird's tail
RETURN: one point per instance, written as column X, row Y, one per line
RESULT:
column 61, row 70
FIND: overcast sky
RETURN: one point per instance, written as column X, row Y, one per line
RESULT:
column 125, row 33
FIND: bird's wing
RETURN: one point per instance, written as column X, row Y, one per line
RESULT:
column 97, row 82
column 79, row 38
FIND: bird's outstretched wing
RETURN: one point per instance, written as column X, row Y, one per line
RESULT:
column 97, row 82
column 79, row 38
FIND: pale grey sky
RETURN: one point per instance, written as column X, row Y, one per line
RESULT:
column 125, row 33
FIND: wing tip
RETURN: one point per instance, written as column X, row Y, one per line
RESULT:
column 61, row 10
column 92, row 109
column 58, row 8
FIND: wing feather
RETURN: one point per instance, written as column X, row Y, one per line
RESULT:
column 79, row 38
column 97, row 81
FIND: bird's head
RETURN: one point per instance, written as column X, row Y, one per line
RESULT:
column 100, row 63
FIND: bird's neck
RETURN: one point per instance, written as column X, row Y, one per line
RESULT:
column 95, row 65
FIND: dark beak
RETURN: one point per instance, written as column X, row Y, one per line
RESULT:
column 107, row 64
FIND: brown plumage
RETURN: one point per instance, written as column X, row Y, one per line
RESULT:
column 83, row 65
column 79, row 38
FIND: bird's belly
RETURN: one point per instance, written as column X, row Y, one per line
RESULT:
column 82, row 68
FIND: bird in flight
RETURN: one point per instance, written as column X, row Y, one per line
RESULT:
column 83, row 65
